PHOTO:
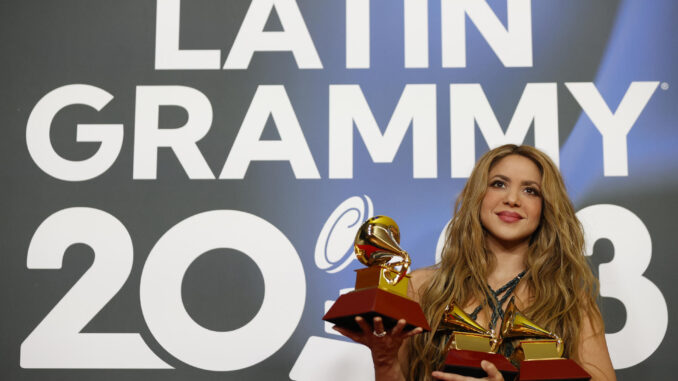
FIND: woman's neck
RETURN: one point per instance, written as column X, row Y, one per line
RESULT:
column 509, row 261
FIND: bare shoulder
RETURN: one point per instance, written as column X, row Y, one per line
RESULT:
column 419, row 280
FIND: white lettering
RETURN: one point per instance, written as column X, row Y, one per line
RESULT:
column 149, row 136
column 274, row 323
column 167, row 52
column 613, row 126
column 416, row 33
column 623, row 279
column 513, row 44
column 417, row 105
column 469, row 105
column 58, row 341
column 252, row 37
column 38, row 130
column 357, row 34
column 292, row 147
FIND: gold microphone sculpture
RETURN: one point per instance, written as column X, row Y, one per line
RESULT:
column 538, row 351
column 469, row 344
column 381, row 288
column 377, row 244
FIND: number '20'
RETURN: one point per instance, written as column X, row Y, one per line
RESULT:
column 58, row 343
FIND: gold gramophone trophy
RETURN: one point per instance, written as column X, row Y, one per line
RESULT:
column 538, row 351
column 381, row 288
column 469, row 344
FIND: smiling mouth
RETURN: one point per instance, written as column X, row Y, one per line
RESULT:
column 509, row 216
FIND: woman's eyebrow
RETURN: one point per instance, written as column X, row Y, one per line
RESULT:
column 505, row 178
column 530, row 182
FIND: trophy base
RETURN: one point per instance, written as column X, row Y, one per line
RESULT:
column 555, row 369
column 376, row 302
column 467, row 363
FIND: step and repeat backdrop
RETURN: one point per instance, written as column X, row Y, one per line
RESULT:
column 182, row 180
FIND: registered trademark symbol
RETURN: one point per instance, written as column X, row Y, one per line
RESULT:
column 664, row 86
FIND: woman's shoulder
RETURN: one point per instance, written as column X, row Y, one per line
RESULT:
column 419, row 280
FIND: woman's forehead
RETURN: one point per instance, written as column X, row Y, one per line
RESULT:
column 518, row 167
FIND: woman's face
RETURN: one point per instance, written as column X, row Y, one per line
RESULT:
column 511, row 208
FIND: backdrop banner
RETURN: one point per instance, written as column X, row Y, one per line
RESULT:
column 183, row 180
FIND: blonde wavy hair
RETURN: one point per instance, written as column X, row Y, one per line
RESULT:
column 561, row 286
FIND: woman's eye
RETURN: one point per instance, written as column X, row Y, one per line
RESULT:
column 498, row 184
column 532, row 191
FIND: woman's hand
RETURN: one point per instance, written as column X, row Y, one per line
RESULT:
column 383, row 344
column 493, row 374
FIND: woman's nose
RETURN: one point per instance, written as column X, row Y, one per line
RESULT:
column 512, row 198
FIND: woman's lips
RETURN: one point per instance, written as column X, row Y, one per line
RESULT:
column 509, row 216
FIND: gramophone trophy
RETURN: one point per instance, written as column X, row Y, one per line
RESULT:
column 381, row 288
column 469, row 344
column 538, row 351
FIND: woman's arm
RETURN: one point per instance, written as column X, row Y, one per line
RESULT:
column 388, row 352
column 592, row 353
column 384, row 348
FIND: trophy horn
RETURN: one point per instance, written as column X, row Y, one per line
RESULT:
column 517, row 326
column 466, row 333
column 377, row 243
column 455, row 319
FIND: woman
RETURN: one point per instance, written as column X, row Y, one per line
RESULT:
column 513, row 225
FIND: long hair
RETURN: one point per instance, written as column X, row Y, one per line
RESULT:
column 559, row 280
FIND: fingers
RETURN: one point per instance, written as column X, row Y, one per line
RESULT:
column 398, row 327
column 397, row 330
column 413, row 332
column 450, row 377
column 378, row 324
column 493, row 373
column 346, row 332
column 363, row 325
column 366, row 331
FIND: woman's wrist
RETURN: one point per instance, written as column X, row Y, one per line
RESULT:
column 387, row 369
column 385, row 360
